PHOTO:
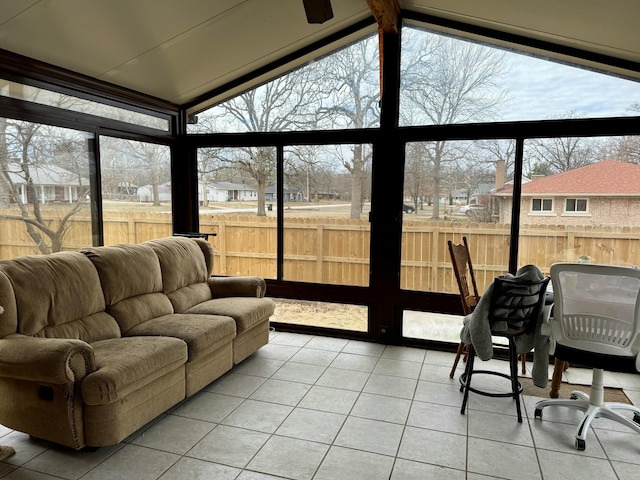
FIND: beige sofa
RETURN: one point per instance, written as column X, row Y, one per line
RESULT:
column 96, row 343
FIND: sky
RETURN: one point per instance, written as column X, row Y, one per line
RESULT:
column 541, row 89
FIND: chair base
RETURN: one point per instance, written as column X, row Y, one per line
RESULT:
column 594, row 407
column 470, row 372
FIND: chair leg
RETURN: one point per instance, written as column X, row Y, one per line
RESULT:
column 559, row 366
column 465, row 379
column 523, row 356
column 461, row 349
column 515, row 384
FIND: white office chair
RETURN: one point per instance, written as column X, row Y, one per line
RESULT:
column 595, row 323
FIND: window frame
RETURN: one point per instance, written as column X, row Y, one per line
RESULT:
column 542, row 210
column 566, row 211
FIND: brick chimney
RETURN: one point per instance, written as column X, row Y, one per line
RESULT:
column 501, row 174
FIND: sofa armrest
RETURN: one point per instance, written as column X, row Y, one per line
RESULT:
column 47, row 360
column 247, row 286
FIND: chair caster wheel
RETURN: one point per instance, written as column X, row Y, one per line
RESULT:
column 580, row 444
column 538, row 413
column 636, row 417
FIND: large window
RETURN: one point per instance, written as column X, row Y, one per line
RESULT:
column 338, row 91
column 77, row 104
column 452, row 184
column 448, row 80
column 44, row 188
column 326, row 226
column 236, row 192
column 136, row 190
column 597, row 189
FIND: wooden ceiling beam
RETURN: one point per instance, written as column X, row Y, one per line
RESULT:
column 386, row 13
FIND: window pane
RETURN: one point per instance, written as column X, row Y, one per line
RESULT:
column 447, row 80
column 44, row 188
column 326, row 206
column 453, row 185
column 338, row 91
column 76, row 104
column 136, row 190
column 601, row 195
column 321, row 314
column 238, row 202
column 581, row 205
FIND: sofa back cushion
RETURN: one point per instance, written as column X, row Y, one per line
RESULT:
column 9, row 317
column 184, row 270
column 131, row 282
column 58, row 296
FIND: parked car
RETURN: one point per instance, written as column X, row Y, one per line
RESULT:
column 469, row 209
column 408, row 208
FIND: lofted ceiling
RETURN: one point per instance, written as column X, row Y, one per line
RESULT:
column 180, row 50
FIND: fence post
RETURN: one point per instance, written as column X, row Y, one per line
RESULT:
column 434, row 259
column 319, row 250
column 222, row 248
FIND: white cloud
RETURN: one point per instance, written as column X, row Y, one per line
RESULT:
column 540, row 89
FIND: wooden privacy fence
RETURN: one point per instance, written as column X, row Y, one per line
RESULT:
column 336, row 251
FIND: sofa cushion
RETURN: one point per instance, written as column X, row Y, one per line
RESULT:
column 131, row 282
column 9, row 323
column 126, row 364
column 202, row 333
column 246, row 311
column 59, row 296
column 184, row 271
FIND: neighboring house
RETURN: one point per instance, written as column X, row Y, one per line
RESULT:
column 291, row 194
column 127, row 189
column 605, row 193
column 52, row 183
column 227, row 192
column 145, row 193
column 325, row 196
column 460, row 196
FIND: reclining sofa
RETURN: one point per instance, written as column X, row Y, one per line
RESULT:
column 96, row 343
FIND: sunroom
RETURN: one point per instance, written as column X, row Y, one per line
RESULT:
column 360, row 107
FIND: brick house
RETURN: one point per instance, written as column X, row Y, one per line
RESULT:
column 602, row 194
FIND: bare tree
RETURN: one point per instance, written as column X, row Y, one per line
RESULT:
column 353, row 76
column 625, row 149
column 417, row 185
column 340, row 90
column 210, row 162
column 124, row 160
column 27, row 152
column 289, row 102
column 447, row 81
column 554, row 155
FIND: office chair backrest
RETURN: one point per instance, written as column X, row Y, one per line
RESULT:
column 596, row 308
column 516, row 305
column 463, row 271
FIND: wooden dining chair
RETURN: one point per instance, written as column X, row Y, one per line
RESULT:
column 463, row 268
column 463, row 271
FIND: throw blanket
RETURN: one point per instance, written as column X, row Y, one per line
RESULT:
column 477, row 331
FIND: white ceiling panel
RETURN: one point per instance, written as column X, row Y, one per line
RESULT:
column 179, row 50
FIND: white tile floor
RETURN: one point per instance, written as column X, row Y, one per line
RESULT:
column 307, row 407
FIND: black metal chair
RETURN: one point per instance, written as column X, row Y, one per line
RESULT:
column 515, row 308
